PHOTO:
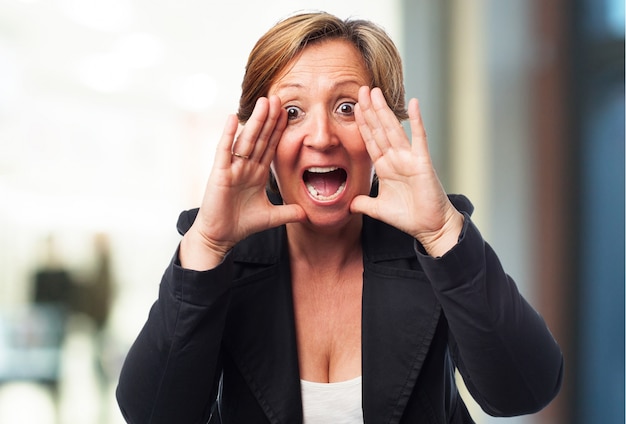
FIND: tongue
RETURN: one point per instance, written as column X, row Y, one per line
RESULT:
column 325, row 184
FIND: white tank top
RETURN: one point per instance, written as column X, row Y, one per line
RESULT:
column 337, row 403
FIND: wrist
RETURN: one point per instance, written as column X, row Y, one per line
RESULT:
column 440, row 242
column 198, row 254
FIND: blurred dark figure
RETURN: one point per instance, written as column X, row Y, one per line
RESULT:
column 77, row 302
column 52, row 282
column 93, row 296
column 53, row 287
column 32, row 335
column 42, row 328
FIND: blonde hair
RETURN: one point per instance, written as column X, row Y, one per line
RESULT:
column 277, row 47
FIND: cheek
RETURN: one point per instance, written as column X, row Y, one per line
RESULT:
column 287, row 147
column 359, row 155
column 353, row 141
column 363, row 163
column 284, row 158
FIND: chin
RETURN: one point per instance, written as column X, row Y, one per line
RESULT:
column 329, row 219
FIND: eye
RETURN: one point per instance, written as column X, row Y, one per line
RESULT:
column 346, row 108
column 293, row 112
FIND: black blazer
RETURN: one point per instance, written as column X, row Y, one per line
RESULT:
column 229, row 334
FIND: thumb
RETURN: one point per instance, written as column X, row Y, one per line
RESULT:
column 284, row 214
column 365, row 205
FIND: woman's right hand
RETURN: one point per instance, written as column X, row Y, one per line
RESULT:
column 235, row 204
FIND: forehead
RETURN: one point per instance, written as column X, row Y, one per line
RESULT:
column 334, row 58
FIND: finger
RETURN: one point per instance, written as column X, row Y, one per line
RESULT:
column 418, row 132
column 374, row 127
column 389, row 123
column 268, row 155
column 223, row 154
column 360, row 110
column 271, row 130
column 384, row 127
column 246, row 140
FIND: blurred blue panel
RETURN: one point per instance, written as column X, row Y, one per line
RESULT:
column 615, row 17
column 602, row 280
column 604, row 19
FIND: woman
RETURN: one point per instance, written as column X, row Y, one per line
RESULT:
column 350, row 290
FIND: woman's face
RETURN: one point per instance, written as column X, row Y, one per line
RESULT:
column 321, row 162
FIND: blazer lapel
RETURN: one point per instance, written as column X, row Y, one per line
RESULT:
column 400, row 316
column 261, row 325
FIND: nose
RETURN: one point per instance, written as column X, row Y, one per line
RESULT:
column 321, row 132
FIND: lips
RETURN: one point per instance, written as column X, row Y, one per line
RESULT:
column 325, row 183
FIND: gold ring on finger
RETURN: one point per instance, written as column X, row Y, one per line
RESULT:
column 239, row 155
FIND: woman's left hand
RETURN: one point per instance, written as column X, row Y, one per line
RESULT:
column 410, row 195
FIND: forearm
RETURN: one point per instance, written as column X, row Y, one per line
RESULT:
column 171, row 371
column 509, row 359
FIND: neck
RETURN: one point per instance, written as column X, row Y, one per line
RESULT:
column 317, row 247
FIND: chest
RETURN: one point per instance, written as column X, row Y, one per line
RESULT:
column 327, row 312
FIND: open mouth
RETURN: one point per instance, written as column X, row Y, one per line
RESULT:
column 325, row 183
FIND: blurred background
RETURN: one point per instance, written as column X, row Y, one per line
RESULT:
column 110, row 112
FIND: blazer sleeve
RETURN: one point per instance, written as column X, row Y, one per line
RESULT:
column 172, row 370
column 502, row 347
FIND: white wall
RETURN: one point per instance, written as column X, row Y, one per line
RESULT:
column 109, row 115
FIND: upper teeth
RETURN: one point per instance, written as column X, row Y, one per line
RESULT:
column 322, row 170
